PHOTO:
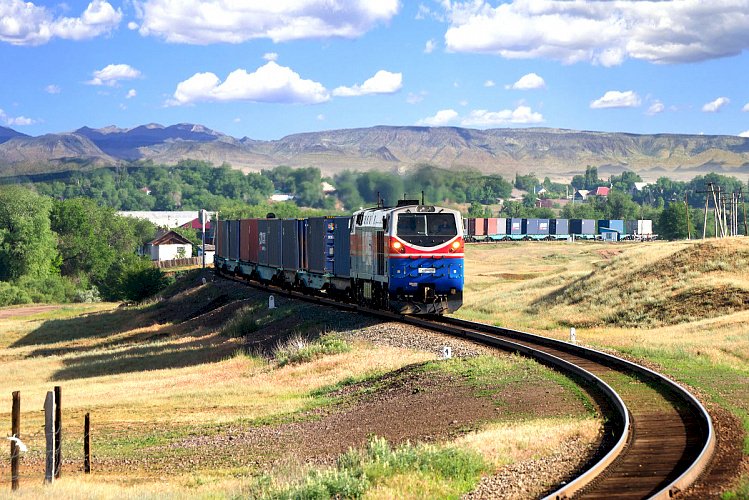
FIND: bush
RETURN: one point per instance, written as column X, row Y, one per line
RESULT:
column 11, row 295
column 139, row 284
column 297, row 349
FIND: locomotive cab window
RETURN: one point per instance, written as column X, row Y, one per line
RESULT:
column 426, row 229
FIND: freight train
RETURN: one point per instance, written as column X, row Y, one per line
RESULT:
column 500, row 229
column 407, row 259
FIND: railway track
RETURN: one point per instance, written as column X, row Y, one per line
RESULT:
column 660, row 438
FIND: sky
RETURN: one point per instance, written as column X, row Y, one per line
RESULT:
column 266, row 69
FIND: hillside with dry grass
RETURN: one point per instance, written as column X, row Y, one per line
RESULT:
column 648, row 288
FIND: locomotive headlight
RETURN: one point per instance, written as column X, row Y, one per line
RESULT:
column 398, row 247
column 454, row 246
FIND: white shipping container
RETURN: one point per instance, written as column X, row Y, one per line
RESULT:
column 640, row 227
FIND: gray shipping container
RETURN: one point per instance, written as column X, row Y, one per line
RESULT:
column 514, row 226
column 559, row 226
column 316, row 240
column 262, row 236
column 342, row 247
column 535, row 226
column 233, row 243
column 290, row 252
column 275, row 247
column 582, row 226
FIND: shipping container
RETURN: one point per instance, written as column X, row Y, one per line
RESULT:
column 559, row 226
column 535, row 226
column 611, row 225
column 219, row 243
column 514, row 226
column 480, row 227
column 639, row 227
column 501, row 226
column 291, row 244
column 582, row 226
column 342, row 247
column 316, row 244
column 491, row 226
column 234, row 240
column 263, row 228
column 275, row 247
column 244, row 240
column 253, row 241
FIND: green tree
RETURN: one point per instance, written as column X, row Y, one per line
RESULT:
column 672, row 224
column 27, row 243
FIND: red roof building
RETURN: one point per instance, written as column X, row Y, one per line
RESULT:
column 195, row 224
column 602, row 191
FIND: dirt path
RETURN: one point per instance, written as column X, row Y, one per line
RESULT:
column 14, row 311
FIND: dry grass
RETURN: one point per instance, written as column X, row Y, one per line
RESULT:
column 683, row 306
column 506, row 443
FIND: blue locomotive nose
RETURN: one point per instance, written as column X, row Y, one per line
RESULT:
column 409, row 275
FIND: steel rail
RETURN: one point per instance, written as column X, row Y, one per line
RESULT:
column 690, row 474
column 486, row 334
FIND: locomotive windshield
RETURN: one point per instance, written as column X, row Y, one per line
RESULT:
column 426, row 229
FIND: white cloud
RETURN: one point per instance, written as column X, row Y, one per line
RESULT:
column 528, row 82
column 616, row 99
column 132, row 26
column 714, row 106
column 383, row 82
column 655, row 108
column 219, row 21
column 321, row 117
column 15, row 121
column 113, row 73
column 442, row 118
column 269, row 83
column 605, row 33
column 270, row 56
column 52, row 89
column 24, row 23
column 744, row 133
column 430, row 46
column 130, row 94
column 484, row 118
column 745, row 108
column 415, row 98
column 489, row 83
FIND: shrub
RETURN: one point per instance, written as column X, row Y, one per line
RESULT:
column 12, row 295
column 297, row 349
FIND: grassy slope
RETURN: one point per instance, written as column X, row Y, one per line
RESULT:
column 682, row 305
column 151, row 376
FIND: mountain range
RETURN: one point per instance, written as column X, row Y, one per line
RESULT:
column 557, row 153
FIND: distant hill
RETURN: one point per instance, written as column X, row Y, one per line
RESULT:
column 553, row 152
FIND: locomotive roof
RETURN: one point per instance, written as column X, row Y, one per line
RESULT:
column 406, row 209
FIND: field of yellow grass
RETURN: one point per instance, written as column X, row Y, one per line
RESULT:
column 682, row 307
column 155, row 375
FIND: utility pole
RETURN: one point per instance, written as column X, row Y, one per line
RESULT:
column 686, row 208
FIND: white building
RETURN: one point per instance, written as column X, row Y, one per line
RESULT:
column 169, row 246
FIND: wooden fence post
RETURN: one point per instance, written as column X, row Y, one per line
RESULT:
column 49, row 433
column 87, row 444
column 15, row 451
column 58, row 431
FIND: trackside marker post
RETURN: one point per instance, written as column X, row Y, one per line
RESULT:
column 49, row 433
column 573, row 336
column 271, row 302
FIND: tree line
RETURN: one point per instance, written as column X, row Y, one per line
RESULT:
column 71, row 250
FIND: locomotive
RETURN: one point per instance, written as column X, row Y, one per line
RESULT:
column 407, row 259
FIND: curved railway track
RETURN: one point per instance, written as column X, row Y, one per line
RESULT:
column 661, row 438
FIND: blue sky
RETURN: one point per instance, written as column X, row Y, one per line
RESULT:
column 268, row 69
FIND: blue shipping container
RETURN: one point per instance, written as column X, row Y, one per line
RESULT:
column 612, row 225
column 582, row 226
column 535, row 226
column 342, row 247
column 514, row 226
column 559, row 226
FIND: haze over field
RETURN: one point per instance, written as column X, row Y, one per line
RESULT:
column 268, row 70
